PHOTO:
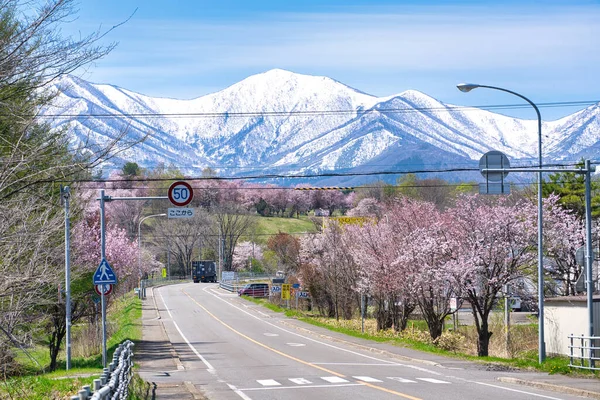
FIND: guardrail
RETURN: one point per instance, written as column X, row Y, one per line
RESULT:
column 230, row 286
column 114, row 381
column 146, row 283
column 584, row 352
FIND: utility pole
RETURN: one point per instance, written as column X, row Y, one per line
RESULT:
column 65, row 195
column 103, row 256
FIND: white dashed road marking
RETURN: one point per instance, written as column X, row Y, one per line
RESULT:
column 401, row 380
column 334, row 379
column 269, row 382
column 300, row 381
column 367, row 379
column 431, row 380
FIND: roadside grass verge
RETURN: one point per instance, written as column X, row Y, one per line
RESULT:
column 416, row 337
column 124, row 317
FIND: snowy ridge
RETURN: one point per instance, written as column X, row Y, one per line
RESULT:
column 280, row 121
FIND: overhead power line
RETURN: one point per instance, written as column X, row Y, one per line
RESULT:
column 227, row 114
column 299, row 176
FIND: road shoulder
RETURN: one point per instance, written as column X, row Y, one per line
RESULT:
column 156, row 357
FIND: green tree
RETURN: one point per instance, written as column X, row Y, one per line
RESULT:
column 131, row 169
column 34, row 55
column 570, row 188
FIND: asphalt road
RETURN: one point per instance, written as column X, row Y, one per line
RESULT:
column 231, row 349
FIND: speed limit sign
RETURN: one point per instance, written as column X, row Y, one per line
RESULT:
column 180, row 193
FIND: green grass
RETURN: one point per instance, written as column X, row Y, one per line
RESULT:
column 529, row 360
column 125, row 313
column 272, row 225
column 42, row 387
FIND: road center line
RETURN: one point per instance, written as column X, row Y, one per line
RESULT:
column 315, row 340
column 292, row 357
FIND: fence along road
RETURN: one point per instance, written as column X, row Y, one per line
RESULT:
column 231, row 348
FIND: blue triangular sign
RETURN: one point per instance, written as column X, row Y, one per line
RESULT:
column 104, row 274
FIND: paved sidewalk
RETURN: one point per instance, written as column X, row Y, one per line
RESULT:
column 157, row 359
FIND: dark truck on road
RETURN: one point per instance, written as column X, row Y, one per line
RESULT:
column 204, row 271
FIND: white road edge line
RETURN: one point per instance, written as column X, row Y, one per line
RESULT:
column 208, row 365
column 238, row 392
column 317, row 341
column 515, row 390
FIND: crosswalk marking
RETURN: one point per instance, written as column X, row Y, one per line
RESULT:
column 334, row 379
column 300, row 381
column 269, row 382
column 401, row 380
column 431, row 380
column 337, row 380
column 367, row 379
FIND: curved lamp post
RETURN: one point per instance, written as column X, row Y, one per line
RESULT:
column 467, row 87
column 140, row 247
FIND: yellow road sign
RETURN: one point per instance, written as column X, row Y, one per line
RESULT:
column 164, row 272
column 285, row 291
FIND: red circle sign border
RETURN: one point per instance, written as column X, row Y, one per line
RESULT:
column 170, row 193
column 97, row 289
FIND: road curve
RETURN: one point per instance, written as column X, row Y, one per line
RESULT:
column 230, row 349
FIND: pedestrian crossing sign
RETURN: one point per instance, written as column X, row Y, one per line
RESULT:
column 104, row 274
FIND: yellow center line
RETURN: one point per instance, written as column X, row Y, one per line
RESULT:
column 294, row 358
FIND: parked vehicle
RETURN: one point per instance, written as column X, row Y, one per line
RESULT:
column 255, row 290
column 204, row 271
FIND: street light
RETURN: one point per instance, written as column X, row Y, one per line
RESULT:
column 467, row 87
column 140, row 248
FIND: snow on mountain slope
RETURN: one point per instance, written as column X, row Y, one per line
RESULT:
column 280, row 120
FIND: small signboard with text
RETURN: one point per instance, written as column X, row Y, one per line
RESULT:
column 181, row 212
column 285, row 291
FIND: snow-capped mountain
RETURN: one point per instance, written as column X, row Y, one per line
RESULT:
column 280, row 121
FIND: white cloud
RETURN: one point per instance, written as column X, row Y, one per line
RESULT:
column 432, row 41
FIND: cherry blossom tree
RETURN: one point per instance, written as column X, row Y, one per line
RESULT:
column 243, row 255
column 287, row 250
column 564, row 233
column 425, row 249
column 121, row 252
column 495, row 239
column 299, row 201
column 367, row 207
column 375, row 250
column 329, row 271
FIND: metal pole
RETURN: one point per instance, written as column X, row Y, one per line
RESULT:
column 362, row 313
column 588, row 256
column 220, row 256
column 507, row 318
column 541, row 344
column 66, row 194
column 140, row 295
column 168, row 257
column 103, row 255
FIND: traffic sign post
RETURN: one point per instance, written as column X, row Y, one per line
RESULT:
column 180, row 194
column 104, row 274
column 103, row 289
column 494, row 181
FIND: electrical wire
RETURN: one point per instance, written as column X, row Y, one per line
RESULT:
column 227, row 114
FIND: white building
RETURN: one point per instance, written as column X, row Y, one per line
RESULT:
column 568, row 315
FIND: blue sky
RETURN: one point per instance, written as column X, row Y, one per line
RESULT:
column 546, row 50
